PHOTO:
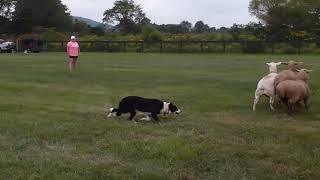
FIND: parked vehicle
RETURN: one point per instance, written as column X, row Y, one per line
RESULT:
column 7, row 47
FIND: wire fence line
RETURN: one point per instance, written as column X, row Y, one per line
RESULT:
column 292, row 47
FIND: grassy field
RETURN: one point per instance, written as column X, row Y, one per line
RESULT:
column 53, row 123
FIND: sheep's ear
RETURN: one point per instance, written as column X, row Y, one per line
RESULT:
column 297, row 70
column 279, row 63
column 268, row 64
column 308, row 71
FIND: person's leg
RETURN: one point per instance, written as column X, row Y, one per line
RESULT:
column 70, row 64
column 74, row 62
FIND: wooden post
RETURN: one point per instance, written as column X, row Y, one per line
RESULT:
column 224, row 44
column 93, row 46
column 299, row 47
column 108, row 46
column 201, row 46
column 272, row 47
column 124, row 46
column 161, row 46
column 142, row 46
column 180, row 46
column 244, row 46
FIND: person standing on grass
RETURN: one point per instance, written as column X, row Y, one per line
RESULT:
column 73, row 50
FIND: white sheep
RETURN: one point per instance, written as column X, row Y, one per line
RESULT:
column 266, row 85
column 292, row 92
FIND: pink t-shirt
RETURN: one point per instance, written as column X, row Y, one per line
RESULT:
column 73, row 48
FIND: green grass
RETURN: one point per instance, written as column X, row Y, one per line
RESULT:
column 53, row 123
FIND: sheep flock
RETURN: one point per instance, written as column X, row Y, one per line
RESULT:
column 290, row 86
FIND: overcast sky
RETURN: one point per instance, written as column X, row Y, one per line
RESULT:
column 216, row 13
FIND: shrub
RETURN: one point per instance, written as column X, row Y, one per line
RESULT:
column 151, row 34
column 155, row 36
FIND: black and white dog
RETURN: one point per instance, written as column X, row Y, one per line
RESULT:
column 150, row 107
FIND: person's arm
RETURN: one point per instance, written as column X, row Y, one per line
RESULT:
column 78, row 49
column 68, row 48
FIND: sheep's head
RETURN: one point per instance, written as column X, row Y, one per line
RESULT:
column 292, row 65
column 273, row 67
column 303, row 74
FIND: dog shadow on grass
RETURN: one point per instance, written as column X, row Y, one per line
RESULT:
column 140, row 119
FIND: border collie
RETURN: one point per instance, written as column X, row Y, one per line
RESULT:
column 150, row 107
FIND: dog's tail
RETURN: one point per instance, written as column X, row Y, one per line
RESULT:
column 112, row 112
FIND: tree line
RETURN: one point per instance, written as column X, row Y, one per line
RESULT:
column 279, row 20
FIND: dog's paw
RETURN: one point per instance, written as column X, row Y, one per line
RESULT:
column 145, row 119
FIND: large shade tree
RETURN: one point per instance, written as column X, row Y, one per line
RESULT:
column 185, row 26
column 39, row 13
column 127, row 16
column 287, row 19
column 201, row 27
column 6, row 10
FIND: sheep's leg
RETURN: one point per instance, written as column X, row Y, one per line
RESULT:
column 290, row 109
column 271, row 102
column 291, row 105
column 306, row 103
column 285, row 101
column 256, row 100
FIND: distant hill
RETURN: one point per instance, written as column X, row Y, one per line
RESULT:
column 91, row 22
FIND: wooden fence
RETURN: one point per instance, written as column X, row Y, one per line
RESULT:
column 294, row 47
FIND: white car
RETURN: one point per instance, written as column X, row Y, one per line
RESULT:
column 7, row 47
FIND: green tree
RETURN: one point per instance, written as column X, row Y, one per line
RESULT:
column 201, row 27
column 236, row 30
column 128, row 16
column 282, row 17
column 6, row 8
column 98, row 30
column 256, row 29
column 81, row 27
column 39, row 13
column 185, row 27
column 273, row 13
column 150, row 33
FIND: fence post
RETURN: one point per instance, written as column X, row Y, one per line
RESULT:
column 272, row 47
column 93, row 46
column 244, row 46
column 224, row 46
column 180, row 46
column 104, row 46
column 108, row 46
column 62, row 45
column 142, row 46
column 161, row 46
column 201, row 46
column 124, row 46
column 48, row 45
column 299, row 47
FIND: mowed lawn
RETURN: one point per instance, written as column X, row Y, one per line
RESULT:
column 53, row 123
